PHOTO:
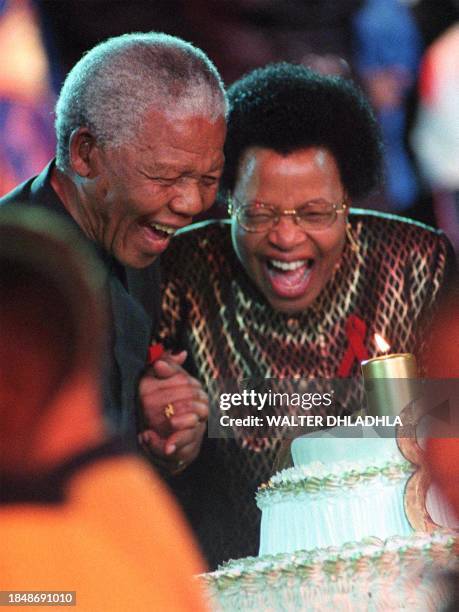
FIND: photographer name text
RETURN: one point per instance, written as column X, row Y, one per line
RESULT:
column 309, row 420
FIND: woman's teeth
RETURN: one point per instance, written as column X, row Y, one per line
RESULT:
column 289, row 279
column 289, row 265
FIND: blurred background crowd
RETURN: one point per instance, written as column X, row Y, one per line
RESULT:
column 404, row 53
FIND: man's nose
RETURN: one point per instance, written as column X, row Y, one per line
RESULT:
column 188, row 200
column 286, row 234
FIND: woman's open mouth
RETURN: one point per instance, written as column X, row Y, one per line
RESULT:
column 289, row 279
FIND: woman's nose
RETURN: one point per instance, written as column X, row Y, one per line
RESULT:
column 286, row 234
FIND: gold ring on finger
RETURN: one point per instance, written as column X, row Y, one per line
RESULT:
column 169, row 410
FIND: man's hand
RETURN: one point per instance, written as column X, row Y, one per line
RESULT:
column 168, row 388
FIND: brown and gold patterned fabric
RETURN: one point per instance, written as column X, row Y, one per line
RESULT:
column 212, row 309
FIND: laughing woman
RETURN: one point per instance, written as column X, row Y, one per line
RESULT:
column 279, row 288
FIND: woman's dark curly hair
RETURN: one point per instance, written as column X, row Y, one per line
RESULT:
column 287, row 107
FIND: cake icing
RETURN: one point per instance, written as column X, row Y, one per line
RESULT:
column 334, row 535
column 343, row 444
column 339, row 490
column 398, row 574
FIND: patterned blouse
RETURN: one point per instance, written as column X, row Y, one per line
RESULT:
column 212, row 309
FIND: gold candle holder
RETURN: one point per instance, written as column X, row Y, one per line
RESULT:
column 390, row 383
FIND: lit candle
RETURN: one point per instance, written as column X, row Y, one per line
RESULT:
column 390, row 383
column 382, row 345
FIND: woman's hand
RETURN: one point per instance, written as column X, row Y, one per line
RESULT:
column 175, row 410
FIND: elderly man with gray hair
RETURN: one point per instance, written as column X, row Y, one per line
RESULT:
column 140, row 125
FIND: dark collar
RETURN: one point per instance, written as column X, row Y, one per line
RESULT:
column 50, row 487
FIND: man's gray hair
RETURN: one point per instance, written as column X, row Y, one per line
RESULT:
column 112, row 87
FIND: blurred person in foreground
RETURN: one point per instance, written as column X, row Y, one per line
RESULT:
column 443, row 452
column 140, row 125
column 77, row 511
column 295, row 284
column 443, row 363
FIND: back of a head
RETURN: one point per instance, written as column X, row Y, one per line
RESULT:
column 117, row 82
column 287, row 107
column 52, row 318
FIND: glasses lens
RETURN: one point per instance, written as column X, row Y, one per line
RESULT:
column 255, row 219
column 316, row 214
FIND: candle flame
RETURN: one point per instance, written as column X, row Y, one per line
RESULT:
column 382, row 345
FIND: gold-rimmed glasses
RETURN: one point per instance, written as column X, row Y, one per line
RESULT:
column 259, row 217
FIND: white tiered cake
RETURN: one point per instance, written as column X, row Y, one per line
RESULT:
column 334, row 535
column 340, row 490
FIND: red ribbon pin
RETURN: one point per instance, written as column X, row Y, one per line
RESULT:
column 155, row 352
column 356, row 330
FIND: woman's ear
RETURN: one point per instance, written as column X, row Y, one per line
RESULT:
column 229, row 203
column 348, row 203
column 82, row 148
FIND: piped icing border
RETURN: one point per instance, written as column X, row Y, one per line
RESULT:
column 370, row 558
column 317, row 477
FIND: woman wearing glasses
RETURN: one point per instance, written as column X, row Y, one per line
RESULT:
column 293, row 284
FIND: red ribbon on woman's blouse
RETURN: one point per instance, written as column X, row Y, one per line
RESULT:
column 155, row 352
column 355, row 331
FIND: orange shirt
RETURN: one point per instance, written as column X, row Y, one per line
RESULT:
column 118, row 540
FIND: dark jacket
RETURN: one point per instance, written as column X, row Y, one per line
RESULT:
column 134, row 311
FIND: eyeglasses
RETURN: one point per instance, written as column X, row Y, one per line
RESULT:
column 258, row 217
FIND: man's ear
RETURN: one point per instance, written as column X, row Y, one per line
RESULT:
column 82, row 153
